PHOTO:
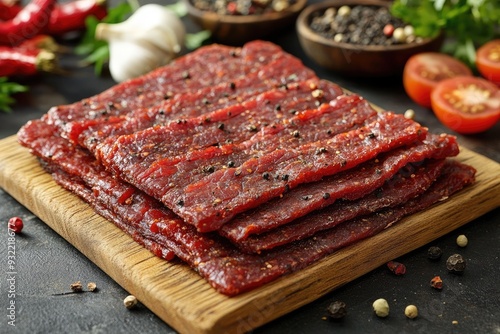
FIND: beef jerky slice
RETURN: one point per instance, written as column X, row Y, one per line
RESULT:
column 410, row 181
column 232, row 124
column 225, row 91
column 218, row 197
column 351, row 184
column 201, row 68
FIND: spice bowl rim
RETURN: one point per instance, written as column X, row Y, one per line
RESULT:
column 213, row 20
column 298, row 6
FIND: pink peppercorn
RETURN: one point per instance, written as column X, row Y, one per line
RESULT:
column 16, row 224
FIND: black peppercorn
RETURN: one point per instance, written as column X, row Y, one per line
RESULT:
column 434, row 253
column 455, row 264
column 337, row 310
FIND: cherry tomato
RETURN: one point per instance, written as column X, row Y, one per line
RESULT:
column 423, row 71
column 466, row 104
column 488, row 61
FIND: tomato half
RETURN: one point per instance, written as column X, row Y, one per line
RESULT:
column 423, row 71
column 488, row 61
column 466, row 104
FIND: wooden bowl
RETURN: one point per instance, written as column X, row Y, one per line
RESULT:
column 352, row 59
column 239, row 29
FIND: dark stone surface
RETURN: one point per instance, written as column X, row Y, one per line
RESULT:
column 46, row 265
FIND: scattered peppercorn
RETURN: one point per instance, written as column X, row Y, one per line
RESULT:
column 381, row 307
column 396, row 267
column 409, row 114
column 434, row 253
column 462, row 240
column 456, row 264
column 437, row 283
column 337, row 310
column 130, row 302
column 388, row 30
column 16, row 224
column 91, row 286
column 321, row 150
column 362, row 25
column 242, row 7
column 76, row 287
column 411, row 311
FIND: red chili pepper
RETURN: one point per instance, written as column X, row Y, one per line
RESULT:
column 70, row 16
column 28, row 22
column 14, row 61
column 8, row 12
column 38, row 42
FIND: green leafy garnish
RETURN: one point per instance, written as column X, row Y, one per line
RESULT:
column 179, row 8
column 97, row 52
column 467, row 23
column 8, row 88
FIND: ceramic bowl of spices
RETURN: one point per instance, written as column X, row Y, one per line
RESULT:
column 359, row 38
column 235, row 22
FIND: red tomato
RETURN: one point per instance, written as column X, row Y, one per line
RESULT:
column 423, row 71
column 488, row 61
column 466, row 104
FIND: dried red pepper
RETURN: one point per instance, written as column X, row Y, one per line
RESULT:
column 16, row 224
column 29, row 22
column 8, row 12
column 70, row 16
column 14, row 61
column 396, row 267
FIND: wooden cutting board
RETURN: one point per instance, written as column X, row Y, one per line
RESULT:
column 184, row 300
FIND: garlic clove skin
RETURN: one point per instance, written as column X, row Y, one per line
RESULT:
column 150, row 38
column 123, row 66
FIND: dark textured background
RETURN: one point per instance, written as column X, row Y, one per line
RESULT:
column 46, row 264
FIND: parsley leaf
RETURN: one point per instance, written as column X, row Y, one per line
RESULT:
column 8, row 88
column 97, row 52
column 466, row 23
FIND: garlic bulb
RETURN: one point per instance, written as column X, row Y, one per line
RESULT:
column 151, row 37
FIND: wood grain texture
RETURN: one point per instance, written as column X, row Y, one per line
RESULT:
column 184, row 300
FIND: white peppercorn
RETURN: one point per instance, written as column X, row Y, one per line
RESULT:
column 462, row 240
column 409, row 114
column 399, row 35
column 381, row 307
column 344, row 11
column 130, row 302
column 411, row 311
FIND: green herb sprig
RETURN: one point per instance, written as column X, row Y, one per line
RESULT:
column 467, row 24
column 7, row 89
column 97, row 52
